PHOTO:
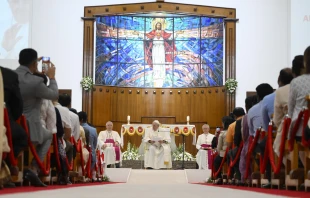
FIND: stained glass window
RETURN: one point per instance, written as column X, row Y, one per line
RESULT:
column 144, row 51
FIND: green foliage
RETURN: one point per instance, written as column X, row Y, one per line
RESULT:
column 132, row 153
column 105, row 179
column 231, row 85
column 177, row 155
column 87, row 83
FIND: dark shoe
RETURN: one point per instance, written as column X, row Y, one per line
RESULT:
column 266, row 185
column 33, row 178
column 9, row 185
column 14, row 170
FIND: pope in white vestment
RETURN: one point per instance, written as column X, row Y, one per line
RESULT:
column 109, row 144
column 158, row 150
column 203, row 145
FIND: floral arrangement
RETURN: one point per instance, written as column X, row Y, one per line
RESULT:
column 105, row 179
column 178, row 155
column 132, row 153
column 87, row 83
column 231, row 85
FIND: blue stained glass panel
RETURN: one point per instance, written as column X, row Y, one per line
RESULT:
column 212, row 74
column 143, row 51
column 209, row 21
column 212, row 50
column 187, row 28
column 106, row 73
column 130, row 51
column 106, row 49
column 186, row 75
column 131, row 75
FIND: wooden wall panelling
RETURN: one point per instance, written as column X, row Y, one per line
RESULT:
column 148, row 102
column 183, row 105
column 135, row 105
column 114, row 106
column 102, row 102
column 122, row 105
column 230, row 60
column 88, row 57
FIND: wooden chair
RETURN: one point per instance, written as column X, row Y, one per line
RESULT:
column 19, row 161
column 276, row 179
column 294, row 175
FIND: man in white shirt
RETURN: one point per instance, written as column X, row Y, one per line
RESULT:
column 65, row 101
column 109, row 144
column 66, row 123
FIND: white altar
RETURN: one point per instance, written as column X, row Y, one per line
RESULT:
column 175, row 129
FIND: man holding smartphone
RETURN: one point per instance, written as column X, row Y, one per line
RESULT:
column 33, row 90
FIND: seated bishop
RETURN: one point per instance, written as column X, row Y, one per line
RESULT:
column 203, row 145
column 157, row 147
column 109, row 144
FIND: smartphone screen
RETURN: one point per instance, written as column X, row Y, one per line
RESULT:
column 45, row 64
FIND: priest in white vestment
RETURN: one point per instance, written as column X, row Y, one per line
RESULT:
column 158, row 150
column 203, row 145
column 109, row 144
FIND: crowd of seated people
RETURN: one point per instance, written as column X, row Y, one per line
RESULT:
column 54, row 139
column 266, row 108
column 52, row 123
column 34, row 95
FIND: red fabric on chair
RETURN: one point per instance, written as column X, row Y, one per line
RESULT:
column 45, row 169
column 7, row 124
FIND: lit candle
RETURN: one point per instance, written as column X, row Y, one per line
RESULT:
column 187, row 118
column 128, row 118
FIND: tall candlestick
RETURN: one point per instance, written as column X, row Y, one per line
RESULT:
column 128, row 119
column 187, row 119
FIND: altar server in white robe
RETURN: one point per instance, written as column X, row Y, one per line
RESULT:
column 158, row 151
column 109, row 144
column 203, row 145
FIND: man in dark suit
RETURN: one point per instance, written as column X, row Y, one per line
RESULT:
column 14, row 105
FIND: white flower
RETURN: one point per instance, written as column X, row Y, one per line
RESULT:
column 87, row 83
column 231, row 85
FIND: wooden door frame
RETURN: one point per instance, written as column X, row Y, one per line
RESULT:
column 90, row 13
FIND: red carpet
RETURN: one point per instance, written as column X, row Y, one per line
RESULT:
column 50, row 187
column 286, row 193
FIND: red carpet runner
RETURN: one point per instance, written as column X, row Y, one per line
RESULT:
column 285, row 193
column 24, row 189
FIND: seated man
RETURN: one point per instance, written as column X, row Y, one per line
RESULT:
column 33, row 90
column 109, row 143
column 203, row 145
column 158, row 151
column 92, row 140
column 14, row 106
